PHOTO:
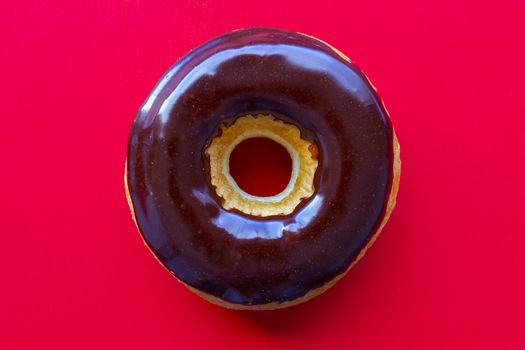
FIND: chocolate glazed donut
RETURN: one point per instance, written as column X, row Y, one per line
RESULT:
column 249, row 252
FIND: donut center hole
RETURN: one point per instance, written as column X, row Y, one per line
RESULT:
column 260, row 166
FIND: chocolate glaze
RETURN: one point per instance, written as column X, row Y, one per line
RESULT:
column 253, row 260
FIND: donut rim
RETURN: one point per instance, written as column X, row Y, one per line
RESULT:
column 389, row 205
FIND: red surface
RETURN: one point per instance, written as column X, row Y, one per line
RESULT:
column 448, row 270
column 261, row 166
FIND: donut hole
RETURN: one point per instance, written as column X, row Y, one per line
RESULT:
column 260, row 166
column 260, row 182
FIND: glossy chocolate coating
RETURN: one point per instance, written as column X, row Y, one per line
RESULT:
column 254, row 260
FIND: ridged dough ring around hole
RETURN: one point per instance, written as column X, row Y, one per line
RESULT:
column 304, row 155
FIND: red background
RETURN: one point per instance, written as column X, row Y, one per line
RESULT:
column 448, row 270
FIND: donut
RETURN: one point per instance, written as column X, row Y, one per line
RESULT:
column 241, row 250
